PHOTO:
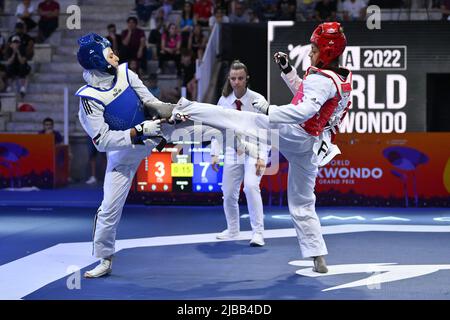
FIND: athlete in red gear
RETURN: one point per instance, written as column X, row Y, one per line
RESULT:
column 305, row 127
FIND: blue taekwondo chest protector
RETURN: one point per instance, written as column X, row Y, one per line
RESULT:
column 123, row 108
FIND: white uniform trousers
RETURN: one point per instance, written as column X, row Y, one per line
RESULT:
column 233, row 174
column 120, row 170
column 303, row 169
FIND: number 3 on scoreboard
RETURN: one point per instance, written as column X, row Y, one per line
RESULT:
column 160, row 169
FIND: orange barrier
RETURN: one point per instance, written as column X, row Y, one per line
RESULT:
column 28, row 160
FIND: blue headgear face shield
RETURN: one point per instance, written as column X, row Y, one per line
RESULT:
column 90, row 53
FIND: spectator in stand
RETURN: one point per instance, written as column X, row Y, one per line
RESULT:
column 24, row 12
column 167, row 8
column 306, row 9
column 115, row 39
column 154, row 38
column 17, row 66
column 239, row 15
column 26, row 42
column 187, row 23
column 326, row 10
column 256, row 8
column 218, row 17
column 197, row 42
column 188, row 74
column 170, row 46
column 224, row 4
column 93, row 155
column 203, row 9
column 286, row 10
column 48, row 128
column 270, row 9
column 49, row 12
column 354, row 10
column 133, row 41
column 252, row 16
column 145, row 8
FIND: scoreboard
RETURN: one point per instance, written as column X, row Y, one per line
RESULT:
column 173, row 171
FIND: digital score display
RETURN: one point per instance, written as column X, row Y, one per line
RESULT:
column 205, row 179
column 169, row 171
column 155, row 173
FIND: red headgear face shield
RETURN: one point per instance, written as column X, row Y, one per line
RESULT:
column 330, row 39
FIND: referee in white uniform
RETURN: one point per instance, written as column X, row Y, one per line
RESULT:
column 240, row 167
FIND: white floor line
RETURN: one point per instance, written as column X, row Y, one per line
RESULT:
column 28, row 274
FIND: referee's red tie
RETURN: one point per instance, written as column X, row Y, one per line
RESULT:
column 238, row 104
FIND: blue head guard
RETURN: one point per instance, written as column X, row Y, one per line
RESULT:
column 90, row 54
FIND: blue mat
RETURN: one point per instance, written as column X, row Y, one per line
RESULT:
column 234, row 270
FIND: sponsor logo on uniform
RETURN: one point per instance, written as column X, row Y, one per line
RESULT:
column 116, row 92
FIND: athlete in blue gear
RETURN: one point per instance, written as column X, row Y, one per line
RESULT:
column 112, row 114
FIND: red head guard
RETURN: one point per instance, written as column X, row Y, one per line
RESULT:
column 330, row 39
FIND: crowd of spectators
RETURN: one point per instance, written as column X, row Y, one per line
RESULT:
column 17, row 46
column 15, row 53
column 179, row 42
column 174, row 33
